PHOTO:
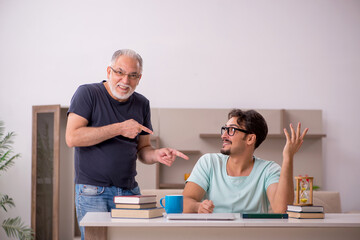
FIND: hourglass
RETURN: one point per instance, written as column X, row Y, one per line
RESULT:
column 304, row 191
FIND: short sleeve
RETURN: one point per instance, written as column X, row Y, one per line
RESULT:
column 201, row 173
column 147, row 119
column 273, row 174
column 81, row 102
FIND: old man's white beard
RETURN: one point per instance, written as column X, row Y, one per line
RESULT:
column 119, row 96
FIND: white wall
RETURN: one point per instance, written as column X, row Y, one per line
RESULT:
column 197, row 53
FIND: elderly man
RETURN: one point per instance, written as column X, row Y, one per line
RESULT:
column 237, row 181
column 109, row 126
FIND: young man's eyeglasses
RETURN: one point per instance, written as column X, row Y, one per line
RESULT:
column 231, row 130
column 131, row 76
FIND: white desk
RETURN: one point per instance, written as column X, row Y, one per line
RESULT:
column 100, row 225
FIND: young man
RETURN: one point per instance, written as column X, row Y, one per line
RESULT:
column 236, row 180
column 109, row 126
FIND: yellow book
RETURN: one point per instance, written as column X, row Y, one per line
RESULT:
column 305, row 215
column 137, row 213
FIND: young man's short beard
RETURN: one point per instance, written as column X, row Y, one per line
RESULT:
column 225, row 152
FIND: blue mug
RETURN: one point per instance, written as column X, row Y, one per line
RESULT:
column 173, row 203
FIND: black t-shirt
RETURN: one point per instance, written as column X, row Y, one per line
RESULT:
column 112, row 162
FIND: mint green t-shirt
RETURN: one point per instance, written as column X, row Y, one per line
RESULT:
column 235, row 194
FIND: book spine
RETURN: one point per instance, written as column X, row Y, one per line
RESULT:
column 273, row 215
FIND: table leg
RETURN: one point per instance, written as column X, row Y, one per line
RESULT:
column 95, row 233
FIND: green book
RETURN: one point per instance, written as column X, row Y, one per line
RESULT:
column 264, row 215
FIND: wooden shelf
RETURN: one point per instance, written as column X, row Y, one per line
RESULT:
column 217, row 135
column 312, row 136
column 190, row 152
column 315, row 135
column 209, row 135
column 172, row 185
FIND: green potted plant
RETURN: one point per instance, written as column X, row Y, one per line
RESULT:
column 13, row 227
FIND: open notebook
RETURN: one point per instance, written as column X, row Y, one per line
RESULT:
column 200, row 216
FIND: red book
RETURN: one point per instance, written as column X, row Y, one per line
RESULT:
column 135, row 199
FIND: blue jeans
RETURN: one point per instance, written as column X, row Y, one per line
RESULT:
column 89, row 198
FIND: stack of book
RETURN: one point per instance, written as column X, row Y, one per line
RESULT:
column 136, row 206
column 295, row 211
